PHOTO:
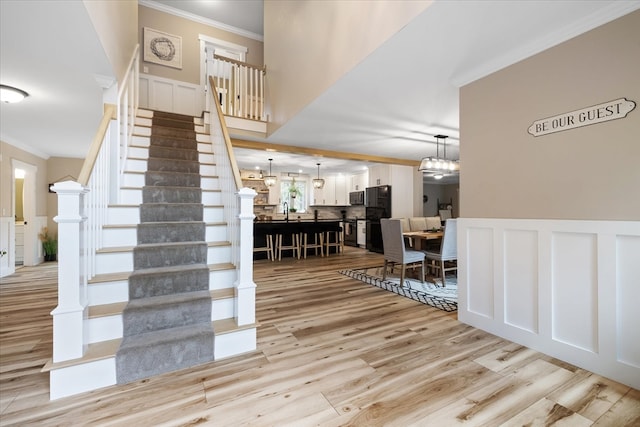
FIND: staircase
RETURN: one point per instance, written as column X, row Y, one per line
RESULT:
column 164, row 295
column 167, row 322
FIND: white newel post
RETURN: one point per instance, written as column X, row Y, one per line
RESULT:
column 245, row 286
column 70, row 314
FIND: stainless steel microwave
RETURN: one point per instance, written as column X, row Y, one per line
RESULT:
column 356, row 198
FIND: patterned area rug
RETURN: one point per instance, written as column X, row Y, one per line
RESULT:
column 430, row 292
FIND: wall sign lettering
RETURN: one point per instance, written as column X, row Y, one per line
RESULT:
column 604, row 112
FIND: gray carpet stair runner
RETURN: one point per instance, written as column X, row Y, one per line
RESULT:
column 167, row 322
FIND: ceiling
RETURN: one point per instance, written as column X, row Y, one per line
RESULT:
column 391, row 104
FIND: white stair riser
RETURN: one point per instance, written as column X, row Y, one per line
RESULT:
column 210, row 182
column 139, row 152
column 80, row 378
column 123, row 215
column 118, row 262
column 130, row 179
column 136, row 165
column 223, row 309
column 216, row 233
column 108, row 292
column 234, row 343
column 141, row 141
column 213, row 213
column 205, row 147
column 211, row 197
column 208, row 170
column 142, row 130
column 114, row 262
column 115, row 237
column 219, row 254
column 143, row 121
column 199, row 128
column 131, row 196
column 128, row 236
column 106, row 328
column 222, row 279
column 118, row 290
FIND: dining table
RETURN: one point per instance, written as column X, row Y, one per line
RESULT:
column 420, row 239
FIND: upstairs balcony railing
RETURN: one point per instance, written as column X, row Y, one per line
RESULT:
column 239, row 86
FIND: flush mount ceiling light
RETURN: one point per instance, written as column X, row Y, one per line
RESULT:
column 270, row 180
column 318, row 182
column 439, row 167
column 11, row 95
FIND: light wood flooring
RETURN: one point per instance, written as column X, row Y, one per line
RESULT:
column 331, row 351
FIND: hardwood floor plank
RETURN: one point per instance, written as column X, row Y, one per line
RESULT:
column 332, row 351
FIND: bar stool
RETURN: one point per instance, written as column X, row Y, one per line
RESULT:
column 267, row 246
column 316, row 232
column 292, row 244
column 334, row 231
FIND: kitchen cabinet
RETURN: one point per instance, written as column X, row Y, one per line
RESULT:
column 359, row 181
column 334, row 193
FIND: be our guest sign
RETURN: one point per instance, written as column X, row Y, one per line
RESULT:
column 604, row 112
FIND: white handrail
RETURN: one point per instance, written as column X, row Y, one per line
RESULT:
column 82, row 214
column 238, row 212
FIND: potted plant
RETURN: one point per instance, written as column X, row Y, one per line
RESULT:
column 49, row 245
column 293, row 189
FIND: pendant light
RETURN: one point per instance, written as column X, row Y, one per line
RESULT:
column 437, row 166
column 318, row 182
column 270, row 180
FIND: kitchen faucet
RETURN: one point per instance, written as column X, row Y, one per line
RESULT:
column 285, row 207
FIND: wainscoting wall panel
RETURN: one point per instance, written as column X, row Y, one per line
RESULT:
column 628, row 297
column 481, row 294
column 574, row 290
column 521, row 279
column 157, row 93
column 569, row 289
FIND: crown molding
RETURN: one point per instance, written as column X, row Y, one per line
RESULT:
column 602, row 16
column 24, row 147
column 199, row 19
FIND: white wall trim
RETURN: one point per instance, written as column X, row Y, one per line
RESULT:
column 222, row 43
column 565, row 288
column 159, row 93
column 7, row 243
column 600, row 17
column 195, row 18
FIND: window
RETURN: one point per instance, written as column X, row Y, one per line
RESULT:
column 296, row 199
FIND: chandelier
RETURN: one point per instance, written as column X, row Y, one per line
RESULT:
column 318, row 182
column 270, row 180
column 439, row 167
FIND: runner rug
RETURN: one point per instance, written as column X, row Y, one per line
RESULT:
column 430, row 292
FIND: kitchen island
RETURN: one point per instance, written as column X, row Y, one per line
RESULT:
column 291, row 228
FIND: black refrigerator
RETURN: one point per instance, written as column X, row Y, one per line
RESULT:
column 377, row 206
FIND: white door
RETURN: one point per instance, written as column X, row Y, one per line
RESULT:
column 31, row 248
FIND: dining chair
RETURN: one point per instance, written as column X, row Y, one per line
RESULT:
column 395, row 251
column 446, row 259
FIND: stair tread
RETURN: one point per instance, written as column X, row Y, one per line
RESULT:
column 110, row 277
column 96, row 351
column 114, row 249
column 104, row 310
column 170, row 244
column 163, row 300
column 167, row 270
column 107, row 349
column 165, row 335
